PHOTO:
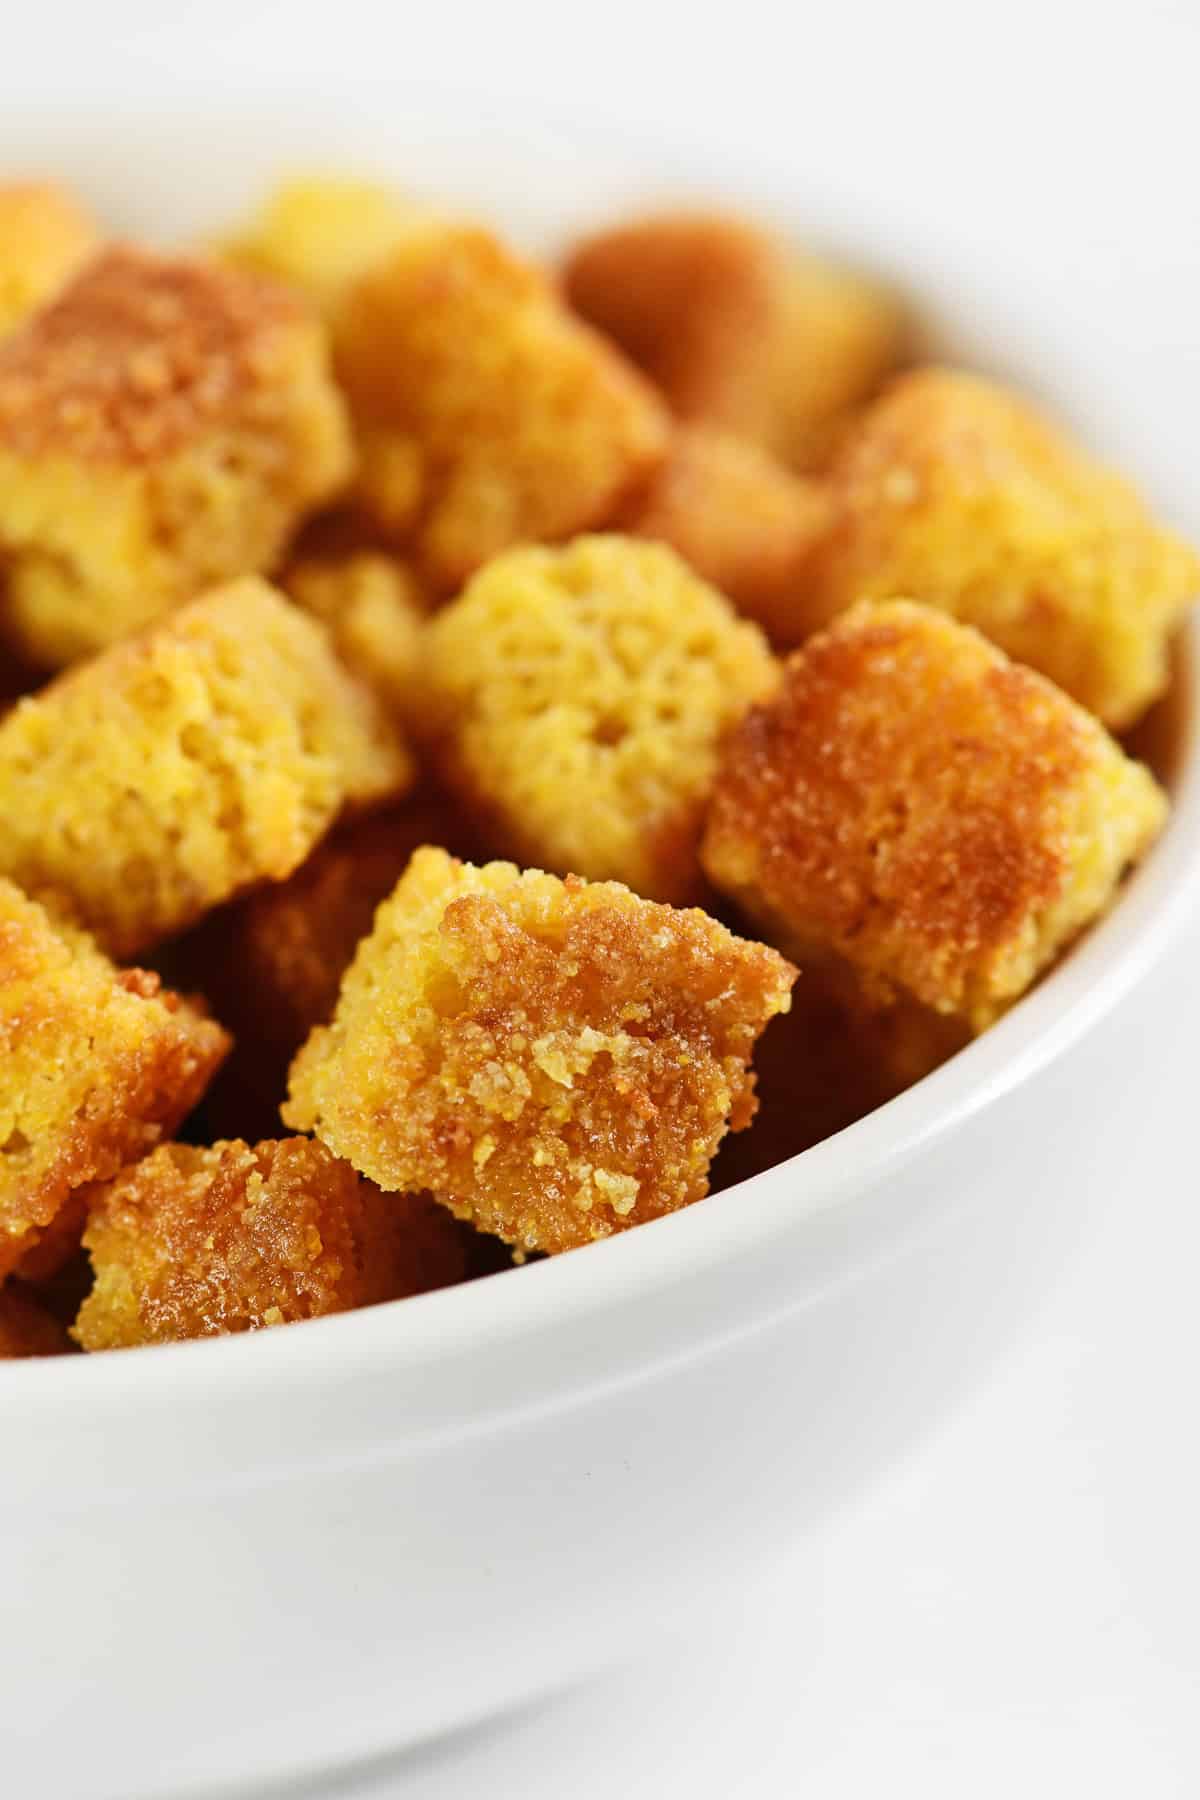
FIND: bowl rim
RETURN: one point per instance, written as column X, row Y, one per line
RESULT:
column 660, row 1255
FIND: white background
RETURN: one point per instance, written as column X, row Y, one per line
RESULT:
column 1018, row 1610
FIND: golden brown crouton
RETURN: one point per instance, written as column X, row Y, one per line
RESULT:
column 580, row 697
column 178, row 767
column 957, row 492
column 944, row 819
column 163, row 425
column 555, row 1061
column 45, row 237
column 375, row 611
column 742, row 521
column 195, row 1242
column 487, row 415
column 96, row 1065
column 737, row 328
column 26, row 1329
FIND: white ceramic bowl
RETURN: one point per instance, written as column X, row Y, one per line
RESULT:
column 230, row 1561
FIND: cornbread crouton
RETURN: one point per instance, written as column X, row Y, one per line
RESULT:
column 742, row 521
column 944, row 819
column 42, row 1252
column 320, row 233
column 555, row 1061
column 578, row 699
column 180, row 766
column 375, row 611
column 164, row 425
column 271, row 963
column 45, row 238
column 193, row 1242
column 737, row 328
column 96, row 1065
column 487, row 415
column 26, row 1329
column 957, row 492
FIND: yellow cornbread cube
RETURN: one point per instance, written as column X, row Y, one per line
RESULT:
column 182, row 765
column 579, row 696
column 554, row 1060
column 164, row 425
column 910, row 800
column 958, row 493
column 738, row 328
column 97, row 1064
column 195, row 1242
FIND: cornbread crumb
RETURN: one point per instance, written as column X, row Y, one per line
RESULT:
column 164, row 425
column 579, row 697
column 554, row 1061
column 27, row 1329
column 97, row 1064
column 487, row 415
column 957, row 492
column 944, row 819
column 178, row 767
column 320, row 233
column 741, row 520
column 193, row 1242
column 375, row 611
column 737, row 328
column 45, row 238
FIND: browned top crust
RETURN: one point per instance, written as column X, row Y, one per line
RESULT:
column 138, row 356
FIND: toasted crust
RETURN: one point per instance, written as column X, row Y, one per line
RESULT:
column 26, row 1329
column 738, row 329
column 742, row 521
column 179, row 767
column 164, row 425
column 197, row 1242
column 45, row 237
column 487, row 414
column 579, row 698
column 98, row 1063
column 555, row 1061
column 957, row 492
column 944, row 819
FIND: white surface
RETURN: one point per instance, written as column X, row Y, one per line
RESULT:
column 1016, row 1610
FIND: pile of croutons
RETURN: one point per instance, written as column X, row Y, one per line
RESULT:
column 448, row 700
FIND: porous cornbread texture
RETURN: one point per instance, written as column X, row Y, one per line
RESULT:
column 194, row 1242
column 164, row 425
column 578, row 699
column 555, row 1061
column 320, row 233
column 176, row 768
column 741, row 520
column 738, row 328
column 487, row 415
column 939, row 816
column 957, row 492
column 97, row 1064
column 375, row 611
column 272, row 962
column 45, row 237
column 27, row 1329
